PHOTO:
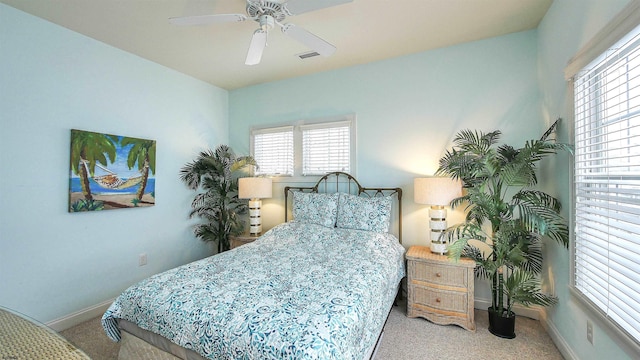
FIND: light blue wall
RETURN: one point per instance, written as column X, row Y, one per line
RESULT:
column 567, row 26
column 53, row 263
column 408, row 110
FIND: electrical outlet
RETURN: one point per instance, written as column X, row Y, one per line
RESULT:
column 590, row 331
column 142, row 259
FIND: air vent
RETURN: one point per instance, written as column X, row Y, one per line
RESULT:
column 307, row 55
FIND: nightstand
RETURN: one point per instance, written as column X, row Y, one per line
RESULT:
column 237, row 240
column 439, row 289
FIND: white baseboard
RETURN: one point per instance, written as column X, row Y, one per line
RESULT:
column 561, row 344
column 79, row 316
column 532, row 312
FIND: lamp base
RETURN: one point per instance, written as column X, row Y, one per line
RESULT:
column 255, row 222
column 438, row 224
column 438, row 248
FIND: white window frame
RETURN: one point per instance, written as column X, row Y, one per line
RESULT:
column 276, row 130
column 297, row 128
column 310, row 128
column 618, row 28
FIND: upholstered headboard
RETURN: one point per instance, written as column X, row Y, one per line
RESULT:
column 344, row 183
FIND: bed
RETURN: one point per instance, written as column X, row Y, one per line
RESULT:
column 320, row 286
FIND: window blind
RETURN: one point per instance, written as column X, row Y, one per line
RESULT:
column 326, row 148
column 273, row 151
column 607, row 184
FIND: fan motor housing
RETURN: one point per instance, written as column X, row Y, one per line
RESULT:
column 274, row 9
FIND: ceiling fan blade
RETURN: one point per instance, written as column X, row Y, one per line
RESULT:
column 296, row 7
column 206, row 19
column 256, row 47
column 310, row 40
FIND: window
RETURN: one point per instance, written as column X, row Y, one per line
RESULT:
column 325, row 148
column 606, row 253
column 306, row 148
column 273, row 151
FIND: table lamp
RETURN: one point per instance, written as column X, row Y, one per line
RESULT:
column 254, row 189
column 437, row 192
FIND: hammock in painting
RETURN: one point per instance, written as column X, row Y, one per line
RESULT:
column 112, row 181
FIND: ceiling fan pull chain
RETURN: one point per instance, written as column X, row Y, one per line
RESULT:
column 266, row 22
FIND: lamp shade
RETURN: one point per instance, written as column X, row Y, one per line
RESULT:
column 254, row 188
column 436, row 190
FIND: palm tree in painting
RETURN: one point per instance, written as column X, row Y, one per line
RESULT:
column 87, row 149
column 143, row 152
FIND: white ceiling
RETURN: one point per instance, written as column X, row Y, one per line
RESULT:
column 363, row 31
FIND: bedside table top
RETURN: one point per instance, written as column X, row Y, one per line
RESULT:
column 424, row 253
column 245, row 236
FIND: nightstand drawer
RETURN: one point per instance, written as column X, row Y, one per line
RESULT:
column 454, row 301
column 440, row 289
column 440, row 274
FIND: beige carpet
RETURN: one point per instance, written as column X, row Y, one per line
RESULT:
column 415, row 338
column 404, row 339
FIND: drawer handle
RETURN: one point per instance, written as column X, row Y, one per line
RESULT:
column 438, row 274
column 437, row 300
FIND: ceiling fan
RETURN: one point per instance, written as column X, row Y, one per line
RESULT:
column 268, row 14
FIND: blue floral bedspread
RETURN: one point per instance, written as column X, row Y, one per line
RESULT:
column 301, row 291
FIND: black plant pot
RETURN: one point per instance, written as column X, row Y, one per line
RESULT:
column 502, row 326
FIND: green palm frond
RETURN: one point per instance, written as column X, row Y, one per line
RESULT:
column 506, row 153
column 537, row 198
column 524, row 287
column 206, row 232
column 91, row 147
column 519, row 174
column 476, row 142
column 456, row 164
column 214, row 173
column 458, row 201
column 456, row 248
column 475, row 254
column 459, row 235
column 540, row 213
column 533, row 253
column 142, row 151
column 498, row 181
column 243, row 161
column 551, row 130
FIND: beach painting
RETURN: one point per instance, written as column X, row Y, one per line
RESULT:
column 111, row 172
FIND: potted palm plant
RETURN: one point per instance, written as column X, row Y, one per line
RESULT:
column 505, row 212
column 214, row 173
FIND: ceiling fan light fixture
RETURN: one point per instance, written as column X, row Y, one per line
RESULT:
column 267, row 22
